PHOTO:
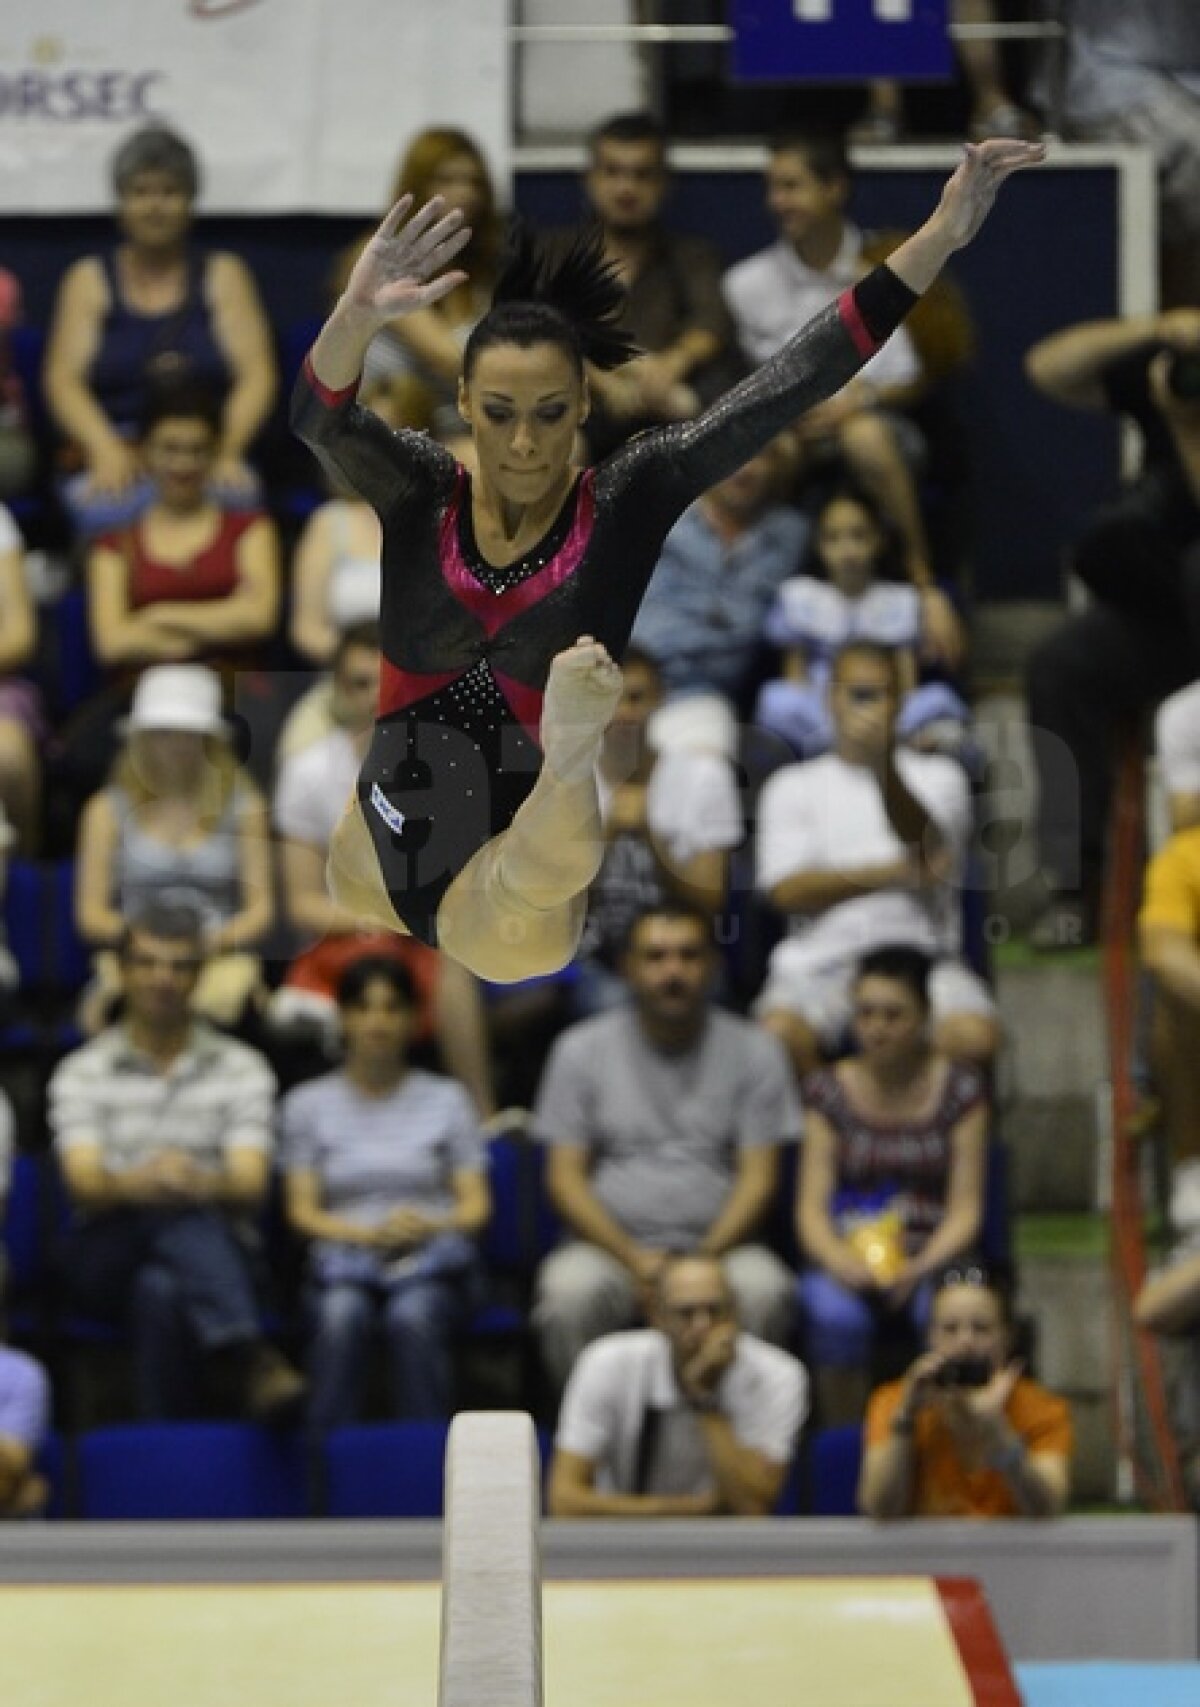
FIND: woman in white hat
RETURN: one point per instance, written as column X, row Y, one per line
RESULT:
column 180, row 821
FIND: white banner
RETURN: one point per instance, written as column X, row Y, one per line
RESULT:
column 291, row 105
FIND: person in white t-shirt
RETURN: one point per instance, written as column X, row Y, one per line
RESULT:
column 818, row 254
column 862, row 848
column 689, row 1418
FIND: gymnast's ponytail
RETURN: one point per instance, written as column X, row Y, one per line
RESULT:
column 560, row 292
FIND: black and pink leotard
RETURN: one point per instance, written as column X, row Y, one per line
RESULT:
column 467, row 646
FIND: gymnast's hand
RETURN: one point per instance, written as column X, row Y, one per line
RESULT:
column 402, row 267
column 968, row 196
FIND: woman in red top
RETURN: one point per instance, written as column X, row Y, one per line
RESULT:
column 188, row 580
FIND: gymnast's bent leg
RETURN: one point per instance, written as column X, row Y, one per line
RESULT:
column 518, row 907
column 352, row 873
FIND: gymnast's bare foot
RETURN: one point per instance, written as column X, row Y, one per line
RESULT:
column 582, row 691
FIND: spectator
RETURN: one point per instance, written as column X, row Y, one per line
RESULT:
column 336, row 579
column 721, row 566
column 1169, row 939
column 180, row 822
column 966, row 1433
column 891, row 1179
column 386, row 1174
column 1140, row 557
column 162, row 1127
column 670, row 822
column 189, row 578
column 664, row 1119
column 1177, row 747
column 21, row 719
column 994, row 111
column 24, row 1425
column 852, row 591
column 818, row 254
column 153, row 311
column 18, row 453
column 1169, row 1305
column 1133, row 75
column 311, row 790
column 674, row 309
column 861, row 848
column 687, row 1418
column 428, row 346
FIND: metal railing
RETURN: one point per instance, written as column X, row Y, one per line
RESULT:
column 1148, row 1458
column 654, row 37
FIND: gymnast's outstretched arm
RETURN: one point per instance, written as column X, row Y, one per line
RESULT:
column 684, row 459
column 400, row 270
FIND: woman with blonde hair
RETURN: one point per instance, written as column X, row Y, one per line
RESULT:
column 179, row 821
column 445, row 162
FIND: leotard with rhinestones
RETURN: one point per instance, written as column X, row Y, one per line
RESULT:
column 467, row 646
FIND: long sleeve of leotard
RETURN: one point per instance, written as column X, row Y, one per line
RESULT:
column 671, row 466
column 385, row 466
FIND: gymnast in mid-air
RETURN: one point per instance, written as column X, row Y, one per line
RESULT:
column 509, row 595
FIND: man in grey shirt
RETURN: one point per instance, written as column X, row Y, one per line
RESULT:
column 664, row 1119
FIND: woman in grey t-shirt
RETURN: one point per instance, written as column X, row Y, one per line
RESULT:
column 385, row 1167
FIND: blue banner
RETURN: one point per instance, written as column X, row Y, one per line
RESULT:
column 840, row 41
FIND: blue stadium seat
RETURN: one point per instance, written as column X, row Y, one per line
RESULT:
column 23, row 1237
column 77, row 673
column 181, row 1471
column 24, row 920
column 385, row 1469
column 995, row 1236
column 51, row 1462
column 835, row 1460
column 522, row 1229
column 39, row 919
column 71, row 960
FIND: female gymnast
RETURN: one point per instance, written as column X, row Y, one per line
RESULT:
column 507, row 596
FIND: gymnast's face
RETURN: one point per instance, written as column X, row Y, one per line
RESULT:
column 524, row 407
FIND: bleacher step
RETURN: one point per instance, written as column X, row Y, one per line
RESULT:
column 1065, row 1289
column 1056, row 1060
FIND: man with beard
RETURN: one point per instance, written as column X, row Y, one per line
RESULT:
column 664, row 1119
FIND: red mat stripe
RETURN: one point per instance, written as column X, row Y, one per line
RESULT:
column 978, row 1641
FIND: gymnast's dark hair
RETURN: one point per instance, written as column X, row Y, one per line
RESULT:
column 560, row 292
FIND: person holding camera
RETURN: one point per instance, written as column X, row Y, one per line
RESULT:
column 965, row 1432
column 1139, row 639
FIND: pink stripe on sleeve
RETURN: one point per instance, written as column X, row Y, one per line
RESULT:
column 854, row 323
column 330, row 398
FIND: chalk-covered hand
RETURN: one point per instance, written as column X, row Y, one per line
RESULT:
column 403, row 266
column 968, row 196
